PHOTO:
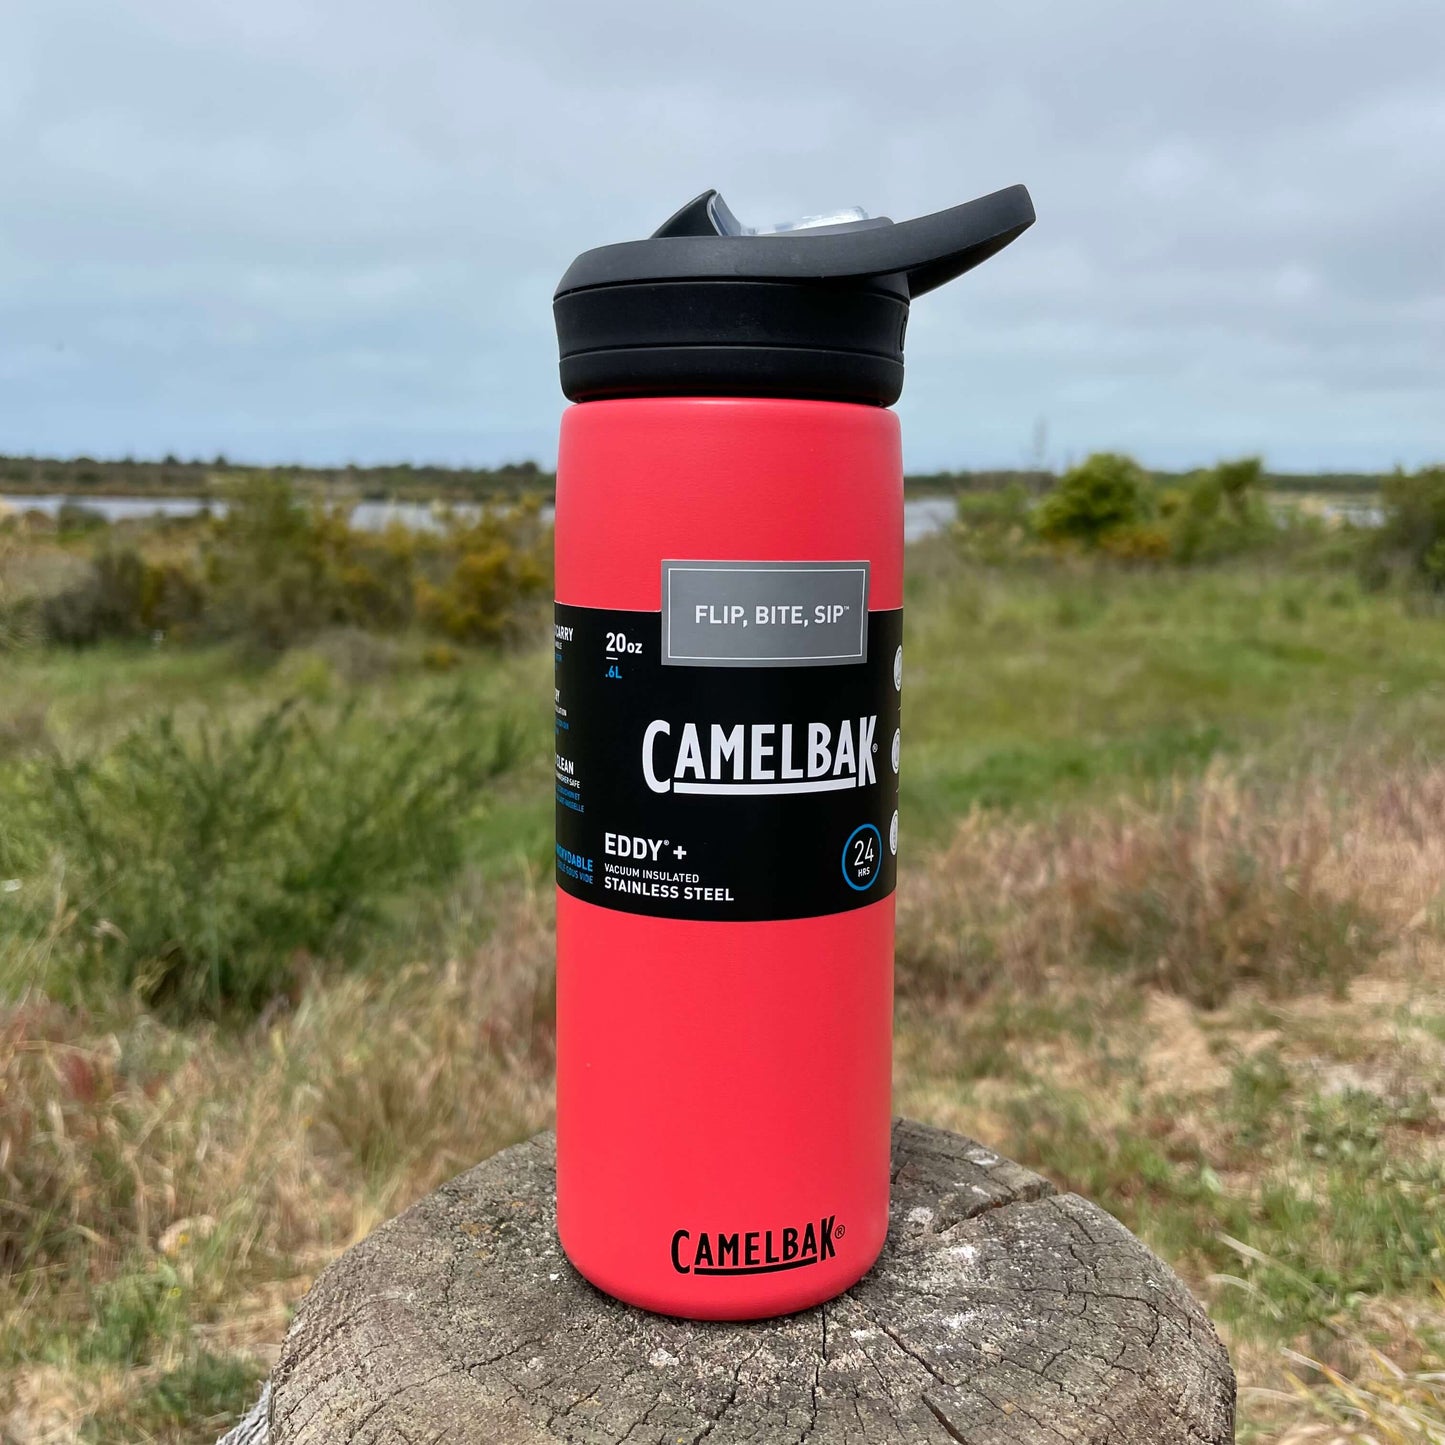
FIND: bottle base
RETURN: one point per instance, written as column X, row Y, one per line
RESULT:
column 736, row 1300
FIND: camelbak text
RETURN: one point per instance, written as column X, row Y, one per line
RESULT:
column 754, row 758
column 757, row 1251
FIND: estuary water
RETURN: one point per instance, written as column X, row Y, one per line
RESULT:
column 922, row 516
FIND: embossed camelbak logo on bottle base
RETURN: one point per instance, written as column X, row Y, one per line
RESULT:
column 757, row 1251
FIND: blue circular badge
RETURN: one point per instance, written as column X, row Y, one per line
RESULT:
column 863, row 858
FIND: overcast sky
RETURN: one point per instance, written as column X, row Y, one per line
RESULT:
column 328, row 230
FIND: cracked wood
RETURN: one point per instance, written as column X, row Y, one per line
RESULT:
column 1001, row 1313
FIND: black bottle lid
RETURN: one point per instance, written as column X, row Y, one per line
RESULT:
column 705, row 307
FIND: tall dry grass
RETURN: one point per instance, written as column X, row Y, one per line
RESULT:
column 1220, row 1012
column 164, row 1191
column 1220, row 882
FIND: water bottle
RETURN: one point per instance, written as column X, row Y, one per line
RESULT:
column 729, row 671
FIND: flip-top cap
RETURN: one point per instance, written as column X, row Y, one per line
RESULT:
column 707, row 307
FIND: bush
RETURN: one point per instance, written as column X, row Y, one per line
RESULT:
column 1137, row 542
column 19, row 622
column 72, row 517
column 994, row 525
column 1105, row 492
column 496, row 570
column 200, row 863
column 122, row 596
column 1108, row 504
column 107, row 603
column 277, row 571
column 1412, row 537
column 1222, row 513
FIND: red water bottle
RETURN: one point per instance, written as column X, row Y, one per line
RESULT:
column 729, row 667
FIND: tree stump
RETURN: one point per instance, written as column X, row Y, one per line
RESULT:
column 1001, row 1313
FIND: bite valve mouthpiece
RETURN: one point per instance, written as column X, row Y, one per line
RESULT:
column 706, row 306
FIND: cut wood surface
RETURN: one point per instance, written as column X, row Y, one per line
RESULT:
column 1001, row 1313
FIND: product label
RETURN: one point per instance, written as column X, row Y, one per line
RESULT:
column 764, row 614
column 734, row 756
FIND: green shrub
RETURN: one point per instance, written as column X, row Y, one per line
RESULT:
column 19, row 620
column 199, row 863
column 122, row 596
column 75, row 517
column 1412, row 537
column 1222, row 513
column 197, row 1399
column 356, row 657
column 107, row 603
column 133, row 1316
column 1240, row 482
column 994, row 525
column 1108, row 503
column 1102, row 493
column 1137, row 542
column 275, row 571
column 494, row 573
column 278, row 571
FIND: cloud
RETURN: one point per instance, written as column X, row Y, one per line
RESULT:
column 326, row 230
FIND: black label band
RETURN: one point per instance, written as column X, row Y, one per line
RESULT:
column 742, row 792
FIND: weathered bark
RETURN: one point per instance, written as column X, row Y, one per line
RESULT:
column 1001, row 1313
column 255, row 1428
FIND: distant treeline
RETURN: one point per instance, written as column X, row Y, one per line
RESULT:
column 1037, row 482
column 171, row 476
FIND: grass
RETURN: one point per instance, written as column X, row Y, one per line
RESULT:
column 1243, row 1062
column 205, row 1393
column 1033, row 685
column 1171, row 931
column 170, row 1192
